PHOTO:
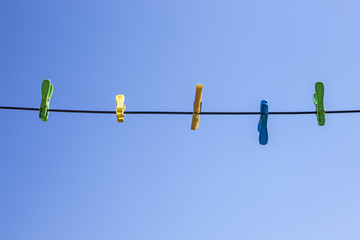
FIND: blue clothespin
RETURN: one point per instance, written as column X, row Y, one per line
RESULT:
column 262, row 127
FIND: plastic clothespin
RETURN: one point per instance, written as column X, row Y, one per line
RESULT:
column 120, row 108
column 318, row 99
column 46, row 91
column 262, row 127
column 197, row 107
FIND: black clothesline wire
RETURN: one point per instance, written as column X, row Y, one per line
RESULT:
column 175, row 112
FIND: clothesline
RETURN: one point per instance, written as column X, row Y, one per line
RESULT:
column 318, row 98
column 176, row 112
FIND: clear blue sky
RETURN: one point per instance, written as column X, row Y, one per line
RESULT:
column 81, row 176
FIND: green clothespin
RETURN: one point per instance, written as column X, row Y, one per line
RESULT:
column 318, row 98
column 47, row 90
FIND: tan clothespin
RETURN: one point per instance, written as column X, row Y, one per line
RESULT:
column 197, row 107
column 120, row 108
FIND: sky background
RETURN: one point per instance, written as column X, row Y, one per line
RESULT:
column 86, row 176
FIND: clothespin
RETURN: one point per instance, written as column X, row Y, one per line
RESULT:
column 46, row 90
column 197, row 107
column 318, row 99
column 262, row 127
column 120, row 108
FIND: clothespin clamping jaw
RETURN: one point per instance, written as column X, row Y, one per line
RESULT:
column 318, row 99
column 120, row 108
column 197, row 107
column 46, row 91
column 262, row 127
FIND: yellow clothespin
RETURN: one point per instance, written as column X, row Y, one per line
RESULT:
column 120, row 108
column 197, row 107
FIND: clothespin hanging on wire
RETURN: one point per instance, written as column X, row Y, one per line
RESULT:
column 120, row 108
column 197, row 107
column 318, row 99
column 46, row 91
column 262, row 127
